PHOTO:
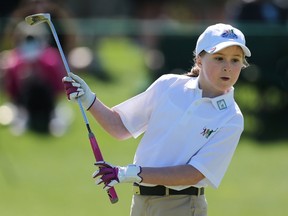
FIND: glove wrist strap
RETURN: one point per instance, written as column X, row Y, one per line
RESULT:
column 92, row 102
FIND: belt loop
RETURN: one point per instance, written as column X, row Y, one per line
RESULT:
column 167, row 191
column 136, row 190
column 199, row 192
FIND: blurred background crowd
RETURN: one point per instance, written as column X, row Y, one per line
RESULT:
column 165, row 32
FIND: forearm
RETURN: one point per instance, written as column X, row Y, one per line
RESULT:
column 109, row 120
column 171, row 176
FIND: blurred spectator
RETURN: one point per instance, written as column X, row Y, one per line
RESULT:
column 31, row 69
column 101, row 8
column 60, row 20
column 265, row 11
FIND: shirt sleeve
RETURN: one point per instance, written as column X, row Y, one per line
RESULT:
column 213, row 159
column 136, row 111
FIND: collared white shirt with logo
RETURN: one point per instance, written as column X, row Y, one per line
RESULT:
column 180, row 127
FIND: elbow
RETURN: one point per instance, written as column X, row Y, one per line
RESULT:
column 198, row 178
column 117, row 129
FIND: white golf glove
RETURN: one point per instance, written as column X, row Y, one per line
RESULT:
column 111, row 175
column 76, row 88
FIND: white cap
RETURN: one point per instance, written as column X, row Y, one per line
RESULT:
column 219, row 36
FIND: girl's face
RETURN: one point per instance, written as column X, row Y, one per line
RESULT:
column 220, row 71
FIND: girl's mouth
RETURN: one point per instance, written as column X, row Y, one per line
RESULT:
column 225, row 78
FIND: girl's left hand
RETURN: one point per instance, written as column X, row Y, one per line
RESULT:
column 111, row 175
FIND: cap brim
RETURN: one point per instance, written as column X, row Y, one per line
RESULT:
column 226, row 44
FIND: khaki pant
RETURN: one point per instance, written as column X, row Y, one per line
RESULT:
column 177, row 205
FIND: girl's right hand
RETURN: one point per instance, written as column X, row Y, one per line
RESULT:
column 76, row 87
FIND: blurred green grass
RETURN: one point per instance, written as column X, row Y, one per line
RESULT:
column 43, row 175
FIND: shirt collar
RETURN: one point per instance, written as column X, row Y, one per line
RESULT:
column 193, row 84
column 221, row 102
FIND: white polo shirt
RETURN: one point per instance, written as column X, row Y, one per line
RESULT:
column 180, row 127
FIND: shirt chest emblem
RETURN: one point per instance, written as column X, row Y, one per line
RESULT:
column 221, row 104
column 207, row 132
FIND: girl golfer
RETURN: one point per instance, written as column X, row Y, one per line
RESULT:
column 191, row 125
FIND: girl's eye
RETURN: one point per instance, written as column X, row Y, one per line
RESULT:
column 219, row 58
column 235, row 60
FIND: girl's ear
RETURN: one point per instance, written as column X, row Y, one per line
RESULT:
column 199, row 61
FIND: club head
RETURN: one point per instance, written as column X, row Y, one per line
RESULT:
column 37, row 18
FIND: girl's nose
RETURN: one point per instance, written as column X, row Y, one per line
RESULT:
column 227, row 67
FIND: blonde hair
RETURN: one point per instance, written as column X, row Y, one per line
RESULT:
column 195, row 70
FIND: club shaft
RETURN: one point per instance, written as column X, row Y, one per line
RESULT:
column 59, row 47
column 83, row 112
column 95, row 147
column 54, row 33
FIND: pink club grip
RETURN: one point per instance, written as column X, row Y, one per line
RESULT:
column 98, row 156
column 95, row 147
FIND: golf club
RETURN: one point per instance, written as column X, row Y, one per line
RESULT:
column 45, row 17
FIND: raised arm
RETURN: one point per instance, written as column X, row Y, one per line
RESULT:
column 108, row 119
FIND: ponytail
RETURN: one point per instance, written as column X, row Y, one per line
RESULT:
column 195, row 70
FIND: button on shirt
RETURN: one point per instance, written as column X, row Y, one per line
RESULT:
column 180, row 127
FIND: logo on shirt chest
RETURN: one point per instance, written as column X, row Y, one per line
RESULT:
column 221, row 104
column 207, row 132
